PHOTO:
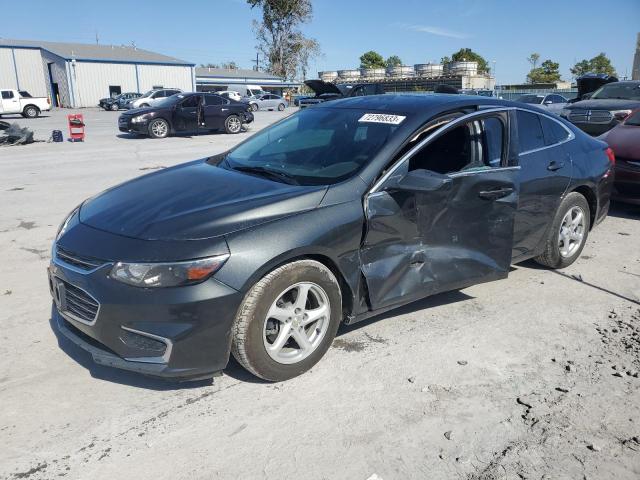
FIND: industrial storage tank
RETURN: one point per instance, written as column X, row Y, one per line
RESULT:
column 372, row 72
column 463, row 68
column 349, row 73
column 401, row 71
column 429, row 70
column 328, row 76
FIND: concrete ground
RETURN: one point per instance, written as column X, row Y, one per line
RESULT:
column 531, row 377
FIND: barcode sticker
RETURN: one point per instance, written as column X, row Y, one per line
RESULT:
column 382, row 118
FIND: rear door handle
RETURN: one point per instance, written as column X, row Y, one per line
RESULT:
column 495, row 194
column 553, row 166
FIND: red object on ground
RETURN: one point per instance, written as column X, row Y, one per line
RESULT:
column 76, row 127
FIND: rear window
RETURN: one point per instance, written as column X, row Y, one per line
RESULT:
column 530, row 134
column 633, row 119
column 25, row 94
column 532, row 99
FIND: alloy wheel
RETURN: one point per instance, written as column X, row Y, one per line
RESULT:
column 296, row 323
column 572, row 230
column 234, row 124
column 159, row 128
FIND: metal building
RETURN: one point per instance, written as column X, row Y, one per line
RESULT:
column 216, row 79
column 79, row 75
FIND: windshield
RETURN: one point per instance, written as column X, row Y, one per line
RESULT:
column 314, row 147
column 532, row 99
column 633, row 119
column 169, row 101
column 147, row 94
column 620, row 91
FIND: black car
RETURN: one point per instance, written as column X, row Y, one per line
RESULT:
column 332, row 215
column 605, row 108
column 326, row 92
column 186, row 112
column 119, row 101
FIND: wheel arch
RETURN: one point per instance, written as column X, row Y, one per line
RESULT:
column 589, row 193
column 31, row 105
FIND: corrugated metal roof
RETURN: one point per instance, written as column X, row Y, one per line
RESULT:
column 103, row 53
column 233, row 73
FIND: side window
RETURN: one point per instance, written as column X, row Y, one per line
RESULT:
column 190, row 102
column 6, row 94
column 553, row 131
column 213, row 100
column 529, row 131
column 556, row 99
column 493, row 141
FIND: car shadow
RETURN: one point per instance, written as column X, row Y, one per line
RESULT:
column 624, row 210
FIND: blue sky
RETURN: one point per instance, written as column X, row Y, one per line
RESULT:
column 416, row 30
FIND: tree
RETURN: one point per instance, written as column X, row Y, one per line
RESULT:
column 598, row 64
column 468, row 55
column 280, row 40
column 371, row 59
column 393, row 61
column 533, row 59
column 209, row 65
column 547, row 72
column 231, row 65
column 444, row 60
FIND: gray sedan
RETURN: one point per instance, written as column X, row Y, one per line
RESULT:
column 267, row 101
column 552, row 102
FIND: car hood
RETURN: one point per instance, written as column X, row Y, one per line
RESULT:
column 139, row 111
column 320, row 87
column 605, row 104
column 194, row 201
column 624, row 141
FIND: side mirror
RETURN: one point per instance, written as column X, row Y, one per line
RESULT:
column 423, row 181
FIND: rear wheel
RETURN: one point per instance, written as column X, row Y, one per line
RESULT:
column 159, row 128
column 254, row 107
column 568, row 233
column 287, row 321
column 30, row 111
column 233, row 124
column 281, row 107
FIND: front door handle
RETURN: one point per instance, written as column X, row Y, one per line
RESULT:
column 553, row 166
column 495, row 194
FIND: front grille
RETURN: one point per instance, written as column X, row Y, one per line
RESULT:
column 590, row 116
column 81, row 261
column 78, row 303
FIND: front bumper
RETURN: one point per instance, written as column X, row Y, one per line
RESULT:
column 247, row 117
column 181, row 333
column 126, row 125
column 627, row 184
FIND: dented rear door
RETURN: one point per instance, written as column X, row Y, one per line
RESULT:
column 419, row 243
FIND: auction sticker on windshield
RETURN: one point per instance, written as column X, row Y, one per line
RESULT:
column 382, row 118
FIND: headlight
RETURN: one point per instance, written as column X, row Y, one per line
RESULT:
column 565, row 112
column 620, row 114
column 65, row 223
column 141, row 118
column 173, row 274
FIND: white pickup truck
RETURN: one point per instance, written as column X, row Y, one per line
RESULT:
column 19, row 101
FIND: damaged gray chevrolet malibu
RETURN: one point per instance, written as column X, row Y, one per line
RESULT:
column 334, row 214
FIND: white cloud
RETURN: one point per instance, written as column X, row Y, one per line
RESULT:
column 441, row 32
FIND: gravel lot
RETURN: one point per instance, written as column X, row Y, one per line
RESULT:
column 531, row 377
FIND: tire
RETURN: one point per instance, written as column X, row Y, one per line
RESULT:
column 281, row 107
column 159, row 128
column 233, row 124
column 114, row 107
column 30, row 111
column 254, row 107
column 562, row 247
column 254, row 330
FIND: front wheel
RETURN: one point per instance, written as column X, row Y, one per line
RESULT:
column 281, row 107
column 159, row 128
column 254, row 107
column 114, row 107
column 233, row 124
column 287, row 321
column 568, row 232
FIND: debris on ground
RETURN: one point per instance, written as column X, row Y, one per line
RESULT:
column 13, row 134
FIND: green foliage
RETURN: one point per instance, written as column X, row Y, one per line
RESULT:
column 547, row 72
column 280, row 40
column 468, row 55
column 393, row 61
column 371, row 59
column 533, row 59
column 598, row 64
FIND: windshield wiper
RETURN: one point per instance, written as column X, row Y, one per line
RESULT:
column 265, row 172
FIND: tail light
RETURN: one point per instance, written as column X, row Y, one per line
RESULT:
column 611, row 156
column 48, row 100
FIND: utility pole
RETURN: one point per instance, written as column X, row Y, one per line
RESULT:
column 97, row 42
column 257, row 67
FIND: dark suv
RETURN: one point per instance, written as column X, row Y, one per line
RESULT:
column 605, row 108
column 325, row 92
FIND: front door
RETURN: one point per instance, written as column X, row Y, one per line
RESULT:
column 442, row 217
column 186, row 114
column 10, row 102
